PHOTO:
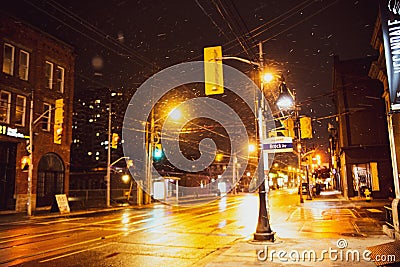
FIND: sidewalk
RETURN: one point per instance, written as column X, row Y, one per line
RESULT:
column 299, row 243
column 43, row 213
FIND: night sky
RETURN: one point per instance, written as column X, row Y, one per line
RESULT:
column 135, row 39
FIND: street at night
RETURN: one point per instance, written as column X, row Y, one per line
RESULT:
column 200, row 133
column 162, row 235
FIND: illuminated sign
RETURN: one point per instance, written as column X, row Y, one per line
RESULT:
column 278, row 144
column 4, row 130
column 390, row 18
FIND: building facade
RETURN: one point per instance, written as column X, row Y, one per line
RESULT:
column 379, row 71
column 36, row 95
column 362, row 142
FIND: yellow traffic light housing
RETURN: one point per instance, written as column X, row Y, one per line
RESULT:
column 25, row 162
column 213, row 70
column 288, row 124
column 114, row 140
column 305, row 127
column 58, row 121
column 58, row 131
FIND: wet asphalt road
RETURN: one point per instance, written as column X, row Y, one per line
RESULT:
column 162, row 235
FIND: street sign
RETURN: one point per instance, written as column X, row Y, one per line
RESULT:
column 278, row 144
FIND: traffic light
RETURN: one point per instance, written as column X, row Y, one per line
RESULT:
column 213, row 70
column 129, row 163
column 58, row 130
column 157, row 153
column 59, row 111
column 58, row 120
column 25, row 162
column 289, row 127
column 305, row 127
column 114, row 140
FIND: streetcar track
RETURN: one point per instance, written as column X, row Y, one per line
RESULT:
column 230, row 205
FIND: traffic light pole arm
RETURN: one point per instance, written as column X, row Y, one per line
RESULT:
column 241, row 59
column 42, row 115
column 118, row 160
column 305, row 154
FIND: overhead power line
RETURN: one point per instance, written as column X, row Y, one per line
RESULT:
column 105, row 39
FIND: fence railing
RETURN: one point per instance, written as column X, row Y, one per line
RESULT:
column 97, row 197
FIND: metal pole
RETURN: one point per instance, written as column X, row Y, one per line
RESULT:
column 108, row 177
column 149, row 160
column 30, row 171
column 309, row 196
column 299, row 152
column 263, row 230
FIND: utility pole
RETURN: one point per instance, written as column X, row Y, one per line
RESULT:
column 30, row 171
column 149, row 164
column 297, row 121
column 108, row 177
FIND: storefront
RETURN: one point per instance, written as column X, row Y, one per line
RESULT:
column 8, row 151
column 365, row 176
column 12, row 151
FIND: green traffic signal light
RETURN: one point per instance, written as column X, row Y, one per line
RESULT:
column 157, row 153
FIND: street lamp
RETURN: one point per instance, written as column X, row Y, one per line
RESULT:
column 263, row 230
column 109, row 165
column 286, row 99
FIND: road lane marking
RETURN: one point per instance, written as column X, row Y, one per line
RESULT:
column 73, row 253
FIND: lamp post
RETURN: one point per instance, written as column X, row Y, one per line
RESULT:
column 263, row 229
column 109, row 164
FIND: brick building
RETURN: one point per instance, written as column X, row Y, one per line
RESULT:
column 362, row 145
column 37, row 71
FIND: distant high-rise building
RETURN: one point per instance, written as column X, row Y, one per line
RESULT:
column 90, row 127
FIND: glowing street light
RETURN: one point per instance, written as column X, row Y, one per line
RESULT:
column 286, row 99
column 252, row 148
column 175, row 114
column 125, row 178
column 268, row 77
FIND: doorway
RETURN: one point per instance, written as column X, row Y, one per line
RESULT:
column 8, row 153
column 50, row 179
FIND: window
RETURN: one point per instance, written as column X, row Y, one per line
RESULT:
column 20, row 110
column 49, row 75
column 5, row 106
column 60, row 79
column 46, row 119
column 8, row 59
column 23, row 69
